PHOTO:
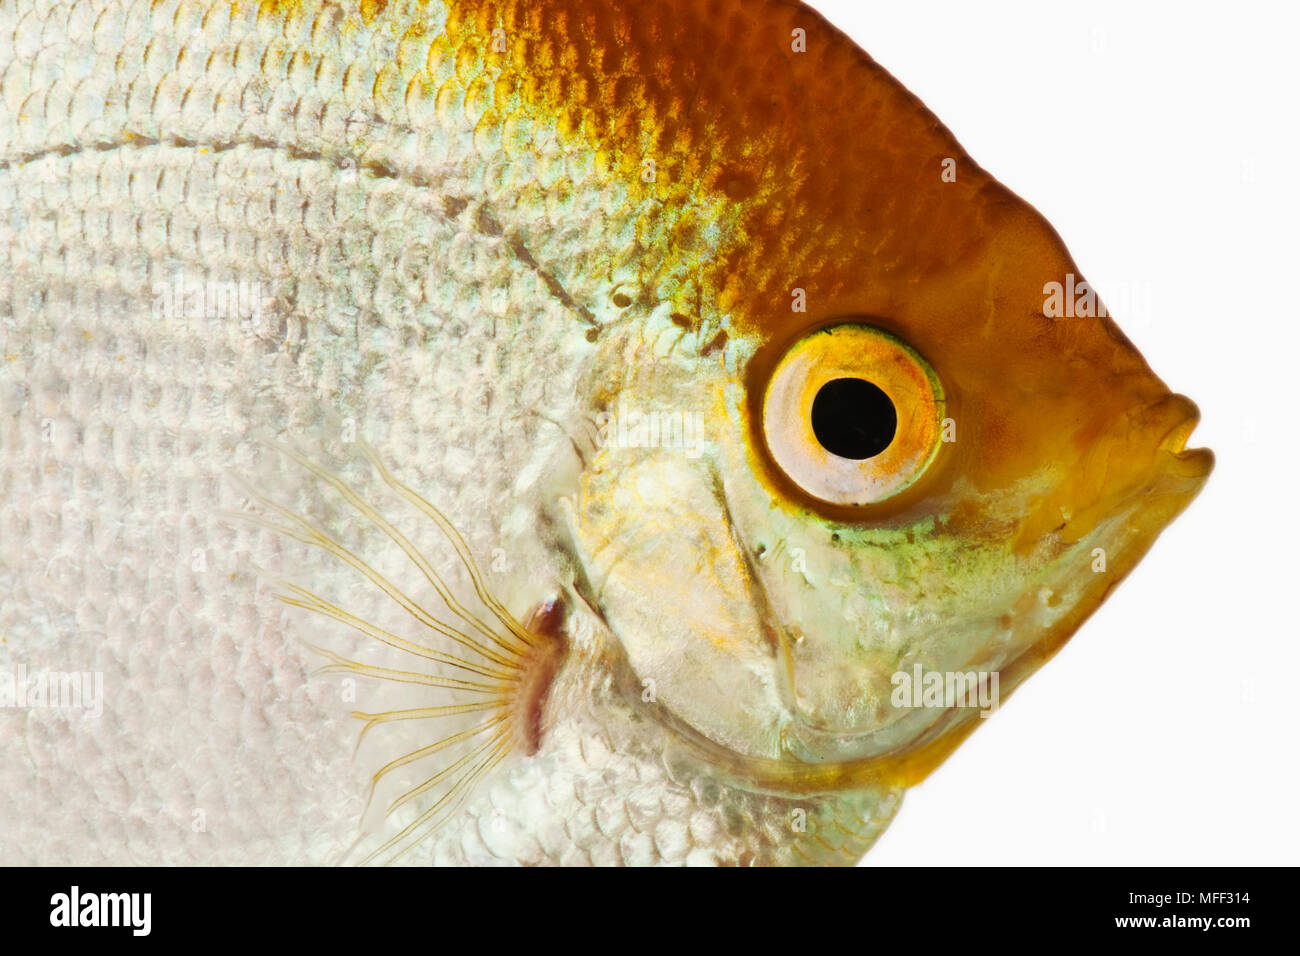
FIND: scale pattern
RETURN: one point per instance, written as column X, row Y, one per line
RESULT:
column 433, row 238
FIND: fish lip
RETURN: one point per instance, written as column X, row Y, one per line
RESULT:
column 1144, row 469
column 1174, row 441
column 1172, row 479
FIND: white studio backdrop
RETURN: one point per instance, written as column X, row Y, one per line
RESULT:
column 1160, row 140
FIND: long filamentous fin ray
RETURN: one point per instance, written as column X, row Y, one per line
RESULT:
column 312, row 535
column 416, row 558
column 421, row 713
column 426, row 751
column 435, row 747
column 309, row 601
column 344, row 665
column 436, row 779
column 430, row 782
column 450, row 801
column 454, row 538
column 504, row 654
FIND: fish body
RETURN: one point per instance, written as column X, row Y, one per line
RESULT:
column 355, row 333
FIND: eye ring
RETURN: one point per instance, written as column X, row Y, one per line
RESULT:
column 826, row 416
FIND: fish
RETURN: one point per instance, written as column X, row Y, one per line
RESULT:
column 538, row 432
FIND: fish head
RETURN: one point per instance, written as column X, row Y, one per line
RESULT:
column 913, row 443
column 850, row 498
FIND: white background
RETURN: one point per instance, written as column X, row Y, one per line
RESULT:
column 1160, row 140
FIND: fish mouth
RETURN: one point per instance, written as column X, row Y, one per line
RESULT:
column 1185, row 416
column 1141, row 463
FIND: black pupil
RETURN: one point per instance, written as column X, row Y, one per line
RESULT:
column 853, row 418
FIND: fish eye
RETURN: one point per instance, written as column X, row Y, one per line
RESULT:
column 852, row 414
column 854, row 418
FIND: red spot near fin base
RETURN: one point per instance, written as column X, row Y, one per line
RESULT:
column 538, row 670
